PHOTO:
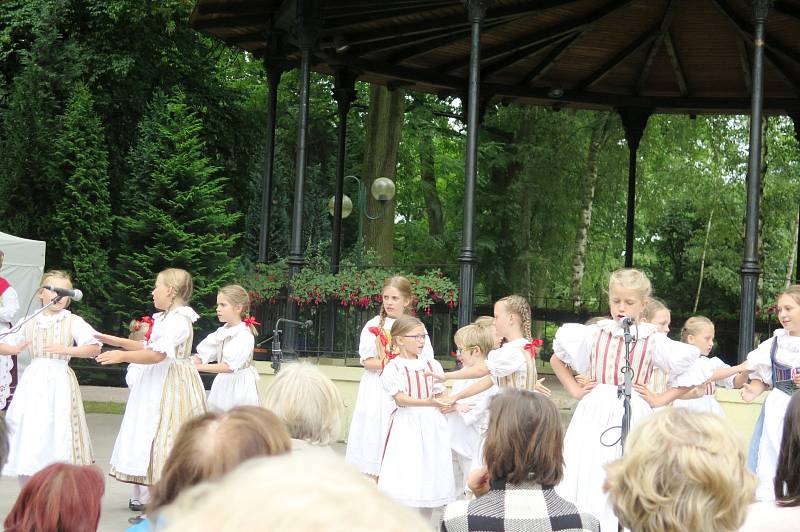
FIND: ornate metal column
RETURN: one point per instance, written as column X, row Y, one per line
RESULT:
column 477, row 12
column 274, row 73
column 750, row 268
column 634, row 120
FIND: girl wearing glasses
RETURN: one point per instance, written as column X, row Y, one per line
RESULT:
column 367, row 435
column 417, row 468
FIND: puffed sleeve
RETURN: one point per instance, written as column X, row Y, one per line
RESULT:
column 366, row 346
column 238, row 350
column 10, row 305
column 83, row 333
column 174, row 330
column 680, row 361
column 207, row 349
column 573, row 345
column 758, row 360
column 480, row 403
column 438, row 387
column 505, row 360
column 391, row 381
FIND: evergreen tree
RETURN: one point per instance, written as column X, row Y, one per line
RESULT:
column 177, row 214
column 82, row 220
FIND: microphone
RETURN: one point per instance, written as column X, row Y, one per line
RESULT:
column 75, row 295
column 627, row 322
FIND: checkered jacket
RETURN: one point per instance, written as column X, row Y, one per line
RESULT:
column 527, row 507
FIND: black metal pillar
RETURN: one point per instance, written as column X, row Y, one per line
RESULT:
column 344, row 91
column 634, row 121
column 750, row 268
column 477, row 12
column 306, row 36
column 795, row 116
column 274, row 74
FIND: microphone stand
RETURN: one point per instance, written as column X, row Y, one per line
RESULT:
column 277, row 352
column 625, row 390
column 18, row 326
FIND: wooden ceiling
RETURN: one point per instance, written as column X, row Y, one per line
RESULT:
column 670, row 55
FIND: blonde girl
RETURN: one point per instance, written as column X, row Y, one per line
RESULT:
column 598, row 351
column 46, row 421
column 699, row 332
column 416, row 469
column 231, row 347
column 775, row 363
column 168, row 391
column 367, row 435
column 656, row 312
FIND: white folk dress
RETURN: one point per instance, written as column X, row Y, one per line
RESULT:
column 592, row 438
column 467, row 430
column 367, row 434
column 708, row 403
column 417, row 467
column 760, row 366
column 164, row 396
column 234, row 346
column 9, row 305
column 46, row 420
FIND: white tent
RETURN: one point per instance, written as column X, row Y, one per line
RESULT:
column 23, row 267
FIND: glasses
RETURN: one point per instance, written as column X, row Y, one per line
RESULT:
column 467, row 349
column 417, row 337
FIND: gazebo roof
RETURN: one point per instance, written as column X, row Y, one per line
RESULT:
column 670, row 55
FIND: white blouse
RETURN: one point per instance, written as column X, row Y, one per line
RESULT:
column 367, row 348
column 171, row 329
column 232, row 345
column 81, row 332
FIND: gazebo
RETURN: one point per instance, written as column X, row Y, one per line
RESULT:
column 637, row 57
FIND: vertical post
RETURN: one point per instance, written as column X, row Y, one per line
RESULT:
column 307, row 35
column 344, row 91
column 477, row 12
column 274, row 74
column 750, row 268
column 795, row 116
column 634, row 121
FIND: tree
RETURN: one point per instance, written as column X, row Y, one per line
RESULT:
column 82, row 220
column 177, row 212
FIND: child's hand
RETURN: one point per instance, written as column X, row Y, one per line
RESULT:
column 541, row 388
column 57, row 348
column 19, row 347
column 442, row 401
column 478, row 481
column 111, row 357
column 463, row 408
column 196, row 360
column 751, row 391
column 446, row 409
column 582, row 379
column 652, row 399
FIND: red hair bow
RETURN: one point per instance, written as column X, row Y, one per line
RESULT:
column 149, row 321
column 533, row 346
column 250, row 321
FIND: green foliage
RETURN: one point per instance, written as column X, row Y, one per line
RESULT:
column 177, row 209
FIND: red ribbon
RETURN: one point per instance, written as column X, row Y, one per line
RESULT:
column 149, row 321
column 533, row 346
column 250, row 321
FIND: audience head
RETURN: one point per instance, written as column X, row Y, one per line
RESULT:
column 210, row 445
column 308, row 402
column 59, row 497
column 303, row 492
column 682, row 470
column 787, row 476
column 525, row 439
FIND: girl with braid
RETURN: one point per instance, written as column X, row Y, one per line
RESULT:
column 367, row 435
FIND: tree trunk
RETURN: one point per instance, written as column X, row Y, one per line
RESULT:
column 703, row 263
column 428, row 174
column 599, row 136
column 384, row 123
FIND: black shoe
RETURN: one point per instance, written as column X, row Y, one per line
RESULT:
column 135, row 506
column 136, row 519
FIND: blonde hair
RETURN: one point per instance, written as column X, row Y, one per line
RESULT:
column 403, row 325
column 793, row 291
column 472, row 336
column 308, row 402
column 237, row 295
column 318, row 491
column 56, row 274
column 652, row 306
column 484, row 321
column 682, row 470
column 179, row 280
column 631, row 279
column 694, row 326
column 518, row 305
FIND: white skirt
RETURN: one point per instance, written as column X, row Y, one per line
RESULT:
column 46, row 421
column 585, row 453
column 367, row 435
column 770, row 444
column 706, row 403
column 417, row 468
column 230, row 390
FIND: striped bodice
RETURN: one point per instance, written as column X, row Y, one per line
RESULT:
column 523, row 379
column 608, row 359
column 417, row 385
column 57, row 332
column 184, row 351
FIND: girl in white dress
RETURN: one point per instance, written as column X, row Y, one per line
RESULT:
column 168, row 391
column 699, row 332
column 367, row 434
column 598, row 351
column 46, row 420
column 231, row 347
column 417, row 467
column 775, row 363
column 656, row 312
